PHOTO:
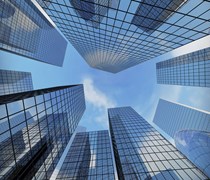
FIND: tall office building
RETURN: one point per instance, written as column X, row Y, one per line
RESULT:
column 190, row 129
column 25, row 30
column 35, row 129
column 142, row 153
column 128, row 32
column 15, row 82
column 192, row 69
column 173, row 117
column 89, row 157
column 195, row 145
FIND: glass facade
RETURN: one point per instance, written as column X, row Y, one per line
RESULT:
column 89, row 157
column 113, row 35
column 142, row 153
column 192, row 69
column 25, row 30
column 14, row 82
column 173, row 117
column 35, row 127
column 196, row 146
column 150, row 15
column 92, row 11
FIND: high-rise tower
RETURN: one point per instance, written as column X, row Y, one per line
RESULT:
column 142, row 153
column 173, row 117
column 89, row 157
column 27, row 31
column 192, row 69
column 35, row 129
column 190, row 129
column 113, row 35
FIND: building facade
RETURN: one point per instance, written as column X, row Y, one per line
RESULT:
column 142, row 153
column 173, row 117
column 192, row 69
column 35, row 129
column 195, row 145
column 89, row 157
column 150, row 15
column 26, row 31
column 113, row 35
column 189, row 128
column 92, row 11
column 15, row 82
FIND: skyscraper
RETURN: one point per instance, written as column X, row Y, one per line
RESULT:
column 32, row 146
column 89, row 157
column 173, row 117
column 190, row 129
column 142, row 153
column 15, row 82
column 195, row 145
column 26, row 31
column 115, row 35
column 192, row 69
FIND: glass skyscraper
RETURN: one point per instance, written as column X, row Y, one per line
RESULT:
column 35, row 127
column 195, row 145
column 15, row 82
column 190, row 129
column 173, row 117
column 111, row 37
column 26, row 31
column 89, row 157
column 192, row 69
column 142, row 153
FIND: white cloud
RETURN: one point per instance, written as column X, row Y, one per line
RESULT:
column 97, row 101
column 95, row 96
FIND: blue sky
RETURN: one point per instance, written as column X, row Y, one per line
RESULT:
column 134, row 87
